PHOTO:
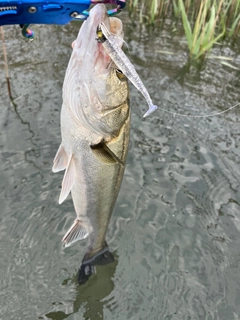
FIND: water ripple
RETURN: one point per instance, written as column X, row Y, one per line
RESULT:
column 176, row 225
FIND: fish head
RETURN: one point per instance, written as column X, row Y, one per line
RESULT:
column 93, row 87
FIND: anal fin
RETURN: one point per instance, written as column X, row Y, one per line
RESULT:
column 77, row 232
column 104, row 154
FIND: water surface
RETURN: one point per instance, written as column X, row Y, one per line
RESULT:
column 175, row 230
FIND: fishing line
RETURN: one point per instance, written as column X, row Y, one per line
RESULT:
column 200, row 116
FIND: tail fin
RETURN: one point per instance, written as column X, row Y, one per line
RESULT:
column 87, row 268
column 151, row 109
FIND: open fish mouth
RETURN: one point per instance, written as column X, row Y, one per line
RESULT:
column 86, row 51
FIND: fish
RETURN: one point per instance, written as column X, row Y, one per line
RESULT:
column 95, row 129
column 110, row 42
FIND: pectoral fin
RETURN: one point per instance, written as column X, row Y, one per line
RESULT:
column 104, row 154
column 61, row 160
column 68, row 180
column 77, row 232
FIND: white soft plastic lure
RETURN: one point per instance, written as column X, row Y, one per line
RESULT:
column 111, row 45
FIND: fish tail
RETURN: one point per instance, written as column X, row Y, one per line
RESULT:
column 151, row 109
column 87, row 267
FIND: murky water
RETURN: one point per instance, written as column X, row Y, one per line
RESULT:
column 175, row 231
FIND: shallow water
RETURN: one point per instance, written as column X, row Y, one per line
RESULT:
column 175, row 230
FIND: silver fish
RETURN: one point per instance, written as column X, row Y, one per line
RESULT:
column 95, row 119
column 110, row 42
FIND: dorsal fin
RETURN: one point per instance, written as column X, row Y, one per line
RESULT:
column 68, row 180
column 61, row 160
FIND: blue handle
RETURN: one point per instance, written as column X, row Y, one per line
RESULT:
column 41, row 12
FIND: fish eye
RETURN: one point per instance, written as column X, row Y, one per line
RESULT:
column 120, row 75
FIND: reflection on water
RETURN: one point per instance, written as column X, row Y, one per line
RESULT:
column 89, row 297
column 176, row 226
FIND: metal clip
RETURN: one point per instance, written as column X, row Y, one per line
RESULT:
column 120, row 5
column 26, row 32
